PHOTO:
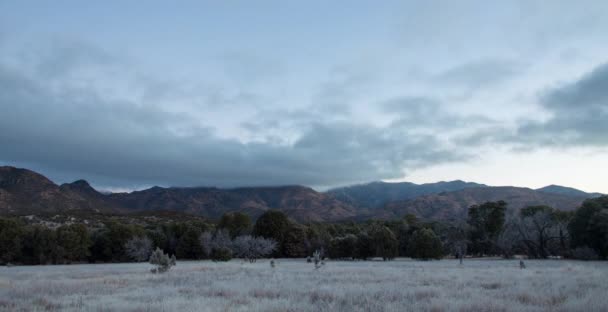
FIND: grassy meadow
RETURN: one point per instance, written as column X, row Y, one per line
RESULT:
column 294, row 285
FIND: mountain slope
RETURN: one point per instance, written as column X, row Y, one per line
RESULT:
column 569, row 191
column 454, row 205
column 377, row 194
column 300, row 203
column 24, row 191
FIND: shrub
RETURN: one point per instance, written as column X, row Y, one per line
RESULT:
column 221, row 254
column 584, row 253
column 162, row 261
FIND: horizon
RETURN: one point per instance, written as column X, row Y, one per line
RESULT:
column 146, row 187
column 130, row 95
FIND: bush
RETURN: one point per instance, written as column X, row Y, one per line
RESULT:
column 584, row 253
column 221, row 254
column 162, row 261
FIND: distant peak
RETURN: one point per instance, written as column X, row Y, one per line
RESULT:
column 81, row 182
column 81, row 186
column 12, row 176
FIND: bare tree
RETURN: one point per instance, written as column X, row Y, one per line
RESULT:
column 537, row 228
column 139, row 248
column 509, row 237
column 221, row 239
column 252, row 248
column 206, row 240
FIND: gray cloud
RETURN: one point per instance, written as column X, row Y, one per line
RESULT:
column 478, row 74
column 579, row 114
column 421, row 112
column 82, row 133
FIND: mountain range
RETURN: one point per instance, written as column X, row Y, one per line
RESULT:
column 25, row 192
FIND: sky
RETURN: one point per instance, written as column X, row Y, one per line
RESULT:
column 131, row 94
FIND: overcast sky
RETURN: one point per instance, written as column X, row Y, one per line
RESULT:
column 130, row 94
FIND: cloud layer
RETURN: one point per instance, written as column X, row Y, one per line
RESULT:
column 231, row 95
column 52, row 121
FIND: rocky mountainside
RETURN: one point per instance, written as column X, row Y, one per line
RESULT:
column 25, row 192
column 298, row 202
column 377, row 194
column 454, row 205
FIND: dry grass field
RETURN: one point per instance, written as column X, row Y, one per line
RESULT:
column 294, row 285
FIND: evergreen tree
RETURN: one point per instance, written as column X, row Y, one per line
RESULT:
column 11, row 232
column 425, row 244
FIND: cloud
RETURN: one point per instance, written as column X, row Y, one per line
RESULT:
column 78, row 131
column 477, row 74
column 578, row 114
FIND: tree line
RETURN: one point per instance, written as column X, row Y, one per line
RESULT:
column 535, row 231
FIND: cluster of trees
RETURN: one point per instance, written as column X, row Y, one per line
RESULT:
column 536, row 231
column 539, row 231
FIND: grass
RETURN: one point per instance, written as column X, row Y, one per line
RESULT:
column 294, row 285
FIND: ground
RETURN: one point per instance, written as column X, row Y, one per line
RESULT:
column 294, row 285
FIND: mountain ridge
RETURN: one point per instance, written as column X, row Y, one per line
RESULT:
column 376, row 194
column 23, row 191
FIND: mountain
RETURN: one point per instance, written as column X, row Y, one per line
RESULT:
column 24, row 191
column 563, row 190
column 377, row 194
column 298, row 202
column 454, row 205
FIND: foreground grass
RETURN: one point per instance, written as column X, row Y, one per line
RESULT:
column 294, row 285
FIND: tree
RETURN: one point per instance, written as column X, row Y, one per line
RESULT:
column 252, row 248
column 237, row 223
column 425, row 244
column 39, row 245
column 219, row 246
column 139, row 248
column 109, row 243
column 274, row 225
column 10, row 240
column 385, row 242
column 486, row 222
column 206, row 241
column 455, row 239
column 73, row 243
column 294, row 243
column 589, row 226
column 508, row 240
column 562, row 219
column 188, row 244
column 343, row 247
column 365, row 248
column 537, row 228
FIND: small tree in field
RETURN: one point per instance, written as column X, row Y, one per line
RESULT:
column 139, row 248
column 252, row 248
column 318, row 258
column 162, row 261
